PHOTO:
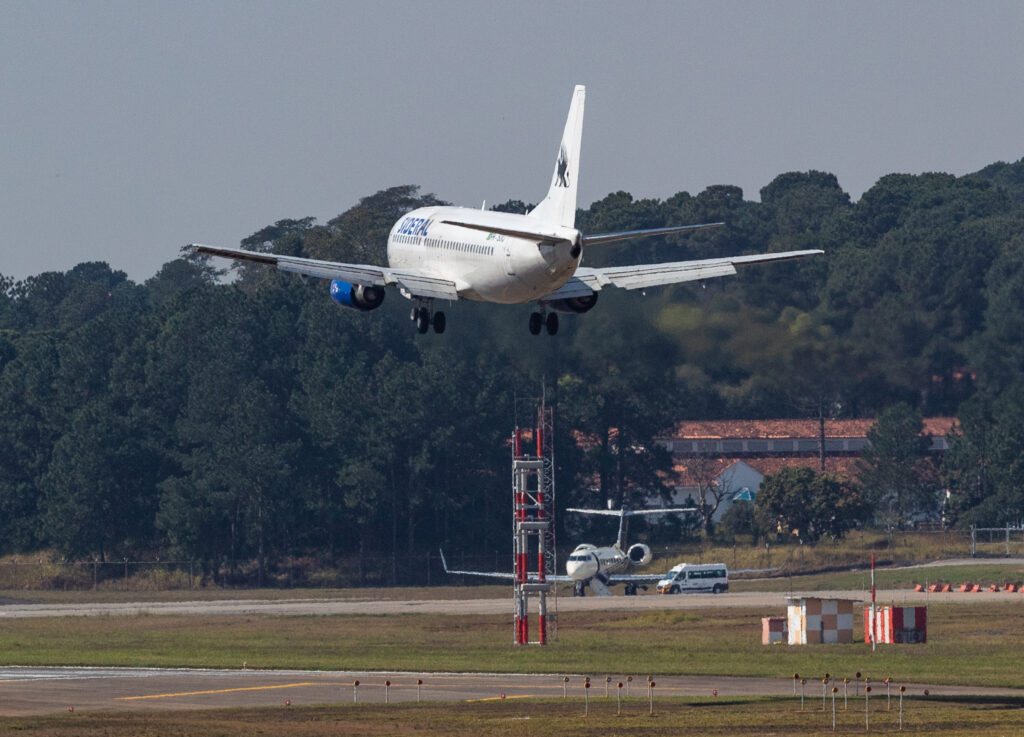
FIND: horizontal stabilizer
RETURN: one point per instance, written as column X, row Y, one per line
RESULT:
column 594, row 240
column 630, row 512
column 542, row 234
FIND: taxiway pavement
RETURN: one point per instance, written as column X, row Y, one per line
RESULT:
column 329, row 606
column 29, row 690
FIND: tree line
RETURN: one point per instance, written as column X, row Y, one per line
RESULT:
column 243, row 416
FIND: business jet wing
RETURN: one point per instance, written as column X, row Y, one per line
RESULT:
column 499, row 574
column 635, row 577
column 417, row 283
column 587, row 280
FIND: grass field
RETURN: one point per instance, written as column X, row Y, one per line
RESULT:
column 43, row 572
column 887, row 578
column 982, row 717
column 971, row 644
column 856, row 579
column 443, row 593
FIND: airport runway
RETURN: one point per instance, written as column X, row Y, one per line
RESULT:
column 329, row 606
column 28, row 691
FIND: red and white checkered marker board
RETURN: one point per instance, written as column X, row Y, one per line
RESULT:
column 897, row 624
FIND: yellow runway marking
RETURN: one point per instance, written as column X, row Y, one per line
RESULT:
column 502, row 698
column 219, row 690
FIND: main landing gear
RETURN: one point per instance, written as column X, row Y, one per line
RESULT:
column 539, row 320
column 423, row 318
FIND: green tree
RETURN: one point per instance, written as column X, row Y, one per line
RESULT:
column 797, row 501
column 32, row 419
column 98, row 489
column 983, row 469
column 360, row 233
column 997, row 351
column 896, row 469
column 739, row 519
column 619, row 400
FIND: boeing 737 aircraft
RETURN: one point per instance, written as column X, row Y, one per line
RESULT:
column 598, row 567
column 453, row 253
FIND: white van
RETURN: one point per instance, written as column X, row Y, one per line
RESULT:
column 686, row 578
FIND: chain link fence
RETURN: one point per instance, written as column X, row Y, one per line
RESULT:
column 41, row 573
column 24, row 573
column 987, row 542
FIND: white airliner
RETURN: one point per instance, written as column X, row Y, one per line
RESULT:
column 453, row 253
column 598, row 567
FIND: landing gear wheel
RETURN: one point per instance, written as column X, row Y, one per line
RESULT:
column 536, row 320
column 630, row 589
column 422, row 320
column 439, row 322
column 579, row 589
column 552, row 326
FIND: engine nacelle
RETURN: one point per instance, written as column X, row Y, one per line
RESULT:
column 574, row 304
column 357, row 296
column 639, row 554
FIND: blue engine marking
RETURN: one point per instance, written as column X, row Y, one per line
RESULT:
column 364, row 298
column 342, row 293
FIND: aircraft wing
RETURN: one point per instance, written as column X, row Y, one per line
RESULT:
column 499, row 574
column 586, row 281
column 416, row 283
column 636, row 577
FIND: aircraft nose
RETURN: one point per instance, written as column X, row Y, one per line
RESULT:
column 581, row 567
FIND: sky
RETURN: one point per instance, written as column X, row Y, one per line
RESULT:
column 132, row 128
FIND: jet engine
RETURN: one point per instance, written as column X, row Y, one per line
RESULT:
column 639, row 554
column 574, row 304
column 357, row 295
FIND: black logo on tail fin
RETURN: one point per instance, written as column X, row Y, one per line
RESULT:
column 562, row 169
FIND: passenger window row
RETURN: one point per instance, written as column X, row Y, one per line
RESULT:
column 447, row 245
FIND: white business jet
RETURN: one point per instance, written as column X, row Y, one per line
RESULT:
column 598, row 567
column 452, row 253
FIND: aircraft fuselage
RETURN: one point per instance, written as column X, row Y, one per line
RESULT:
column 485, row 266
column 587, row 561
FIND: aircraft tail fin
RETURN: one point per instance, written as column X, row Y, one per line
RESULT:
column 559, row 207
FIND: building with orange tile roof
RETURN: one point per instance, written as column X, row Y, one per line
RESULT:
column 734, row 455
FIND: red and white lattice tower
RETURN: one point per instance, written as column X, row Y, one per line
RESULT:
column 533, row 503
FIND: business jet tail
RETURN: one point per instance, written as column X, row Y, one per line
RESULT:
column 559, row 207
